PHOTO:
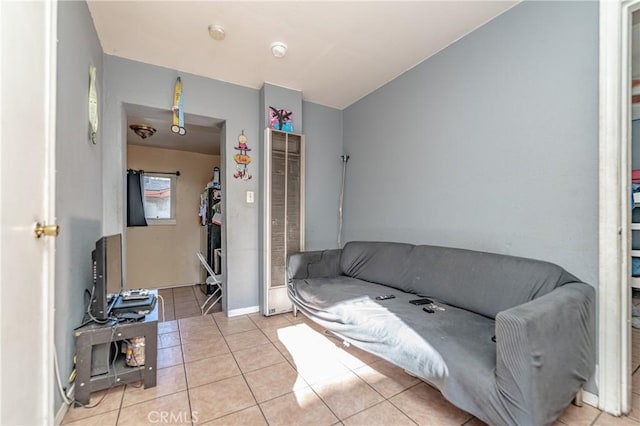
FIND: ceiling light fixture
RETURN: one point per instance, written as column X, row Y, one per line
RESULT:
column 217, row 32
column 278, row 49
column 142, row 130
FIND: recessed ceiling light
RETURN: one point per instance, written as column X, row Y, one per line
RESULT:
column 216, row 32
column 278, row 49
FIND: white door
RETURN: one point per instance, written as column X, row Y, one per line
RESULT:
column 27, row 148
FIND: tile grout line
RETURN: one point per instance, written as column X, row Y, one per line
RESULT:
column 184, row 370
column 241, row 374
column 151, row 399
column 173, row 314
column 253, row 395
column 194, row 299
column 191, row 306
column 297, row 372
column 375, row 405
column 310, row 386
column 352, row 371
column 403, row 391
column 120, row 406
column 469, row 420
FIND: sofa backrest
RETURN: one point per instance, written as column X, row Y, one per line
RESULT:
column 485, row 283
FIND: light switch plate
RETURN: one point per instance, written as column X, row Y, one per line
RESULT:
column 250, row 198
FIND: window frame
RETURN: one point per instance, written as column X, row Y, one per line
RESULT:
column 151, row 221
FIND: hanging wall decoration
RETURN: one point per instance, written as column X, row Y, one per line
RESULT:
column 242, row 158
column 280, row 119
column 93, row 105
column 178, row 110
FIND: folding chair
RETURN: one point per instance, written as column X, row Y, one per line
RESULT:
column 211, row 279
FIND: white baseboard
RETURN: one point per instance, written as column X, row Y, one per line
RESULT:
column 62, row 411
column 243, row 311
column 590, row 398
column 174, row 286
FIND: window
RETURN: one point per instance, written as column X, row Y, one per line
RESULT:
column 160, row 199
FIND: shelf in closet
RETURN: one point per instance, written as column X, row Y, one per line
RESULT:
column 635, row 226
column 635, row 282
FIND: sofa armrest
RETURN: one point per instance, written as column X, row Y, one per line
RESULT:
column 545, row 351
column 314, row 264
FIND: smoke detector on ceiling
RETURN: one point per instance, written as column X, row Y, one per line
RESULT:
column 278, row 49
column 217, row 32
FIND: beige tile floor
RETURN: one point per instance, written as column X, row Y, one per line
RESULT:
column 183, row 302
column 281, row 370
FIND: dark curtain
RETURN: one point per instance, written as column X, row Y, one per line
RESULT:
column 135, row 205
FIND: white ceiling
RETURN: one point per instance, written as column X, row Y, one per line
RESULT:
column 338, row 51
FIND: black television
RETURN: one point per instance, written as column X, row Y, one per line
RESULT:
column 107, row 276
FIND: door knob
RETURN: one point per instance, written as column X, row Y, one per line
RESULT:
column 48, row 230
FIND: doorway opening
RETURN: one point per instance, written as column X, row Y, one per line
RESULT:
column 181, row 191
column 633, row 134
column 615, row 300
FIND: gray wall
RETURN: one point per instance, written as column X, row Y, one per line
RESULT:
column 129, row 82
column 323, row 138
column 492, row 144
column 281, row 98
column 78, row 176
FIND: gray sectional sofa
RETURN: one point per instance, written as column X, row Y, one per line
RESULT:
column 513, row 346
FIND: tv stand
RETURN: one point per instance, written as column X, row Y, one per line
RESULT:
column 118, row 372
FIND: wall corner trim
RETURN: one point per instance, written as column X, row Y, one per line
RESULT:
column 614, row 332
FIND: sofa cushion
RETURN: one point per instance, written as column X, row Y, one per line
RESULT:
column 395, row 329
column 485, row 283
column 378, row 262
column 452, row 349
